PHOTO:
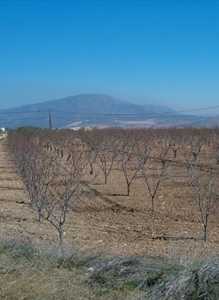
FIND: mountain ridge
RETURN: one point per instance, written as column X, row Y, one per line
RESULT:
column 93, row 110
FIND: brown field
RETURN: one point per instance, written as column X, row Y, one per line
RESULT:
column 105, row 222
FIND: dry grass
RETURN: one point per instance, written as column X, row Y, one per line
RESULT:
column 26, row 273
column 36, row 274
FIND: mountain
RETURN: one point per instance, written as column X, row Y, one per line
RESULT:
column 94, row 110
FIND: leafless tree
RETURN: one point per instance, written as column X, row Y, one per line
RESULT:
column 203, row 184
column 92, row 140
column 192, row 149
column 36, row 167
column 132, row 158
column 63, row 193
column 155, row 171
column 41, row 173
column 108, row 151
column 153, row 175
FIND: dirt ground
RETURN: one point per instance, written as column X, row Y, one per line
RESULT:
column 111, row 224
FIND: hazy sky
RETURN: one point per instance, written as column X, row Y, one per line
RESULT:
column 152, row 51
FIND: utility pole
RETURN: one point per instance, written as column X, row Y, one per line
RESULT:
column 50, row 120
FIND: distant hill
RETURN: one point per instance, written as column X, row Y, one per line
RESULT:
column 95, row 110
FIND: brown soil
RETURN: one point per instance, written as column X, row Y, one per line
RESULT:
column 104, row 222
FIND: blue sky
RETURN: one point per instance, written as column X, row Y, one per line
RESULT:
column 146, row 51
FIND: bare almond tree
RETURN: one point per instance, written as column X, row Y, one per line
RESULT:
column 133, row 157
column 41, row 171
column 91, row 154
column 35, row 166
column 92, row 140
column 155, row 171
column 108, row 151
column 153, row 176
column 203, row 184
column 192, row 149
column 64, row 192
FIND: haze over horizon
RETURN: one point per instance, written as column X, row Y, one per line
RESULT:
column 146, row 52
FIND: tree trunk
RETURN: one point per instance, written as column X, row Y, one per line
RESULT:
column 61, row 234
column 152, row 206
column 40, row 215
column 205, row 231
column 105, row 178
column 91, row 169
column 128, row 188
